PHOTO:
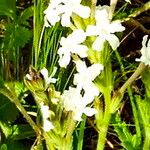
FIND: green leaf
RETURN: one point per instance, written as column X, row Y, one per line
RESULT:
column 16, row 36
column 3, row 147
column 146, row 80
column 9, row 144
column 6, row 128
column 25, row 15
column 8, row 8
column 22, row 131
column 7, row 12
column 128, row 140
column 8, row 111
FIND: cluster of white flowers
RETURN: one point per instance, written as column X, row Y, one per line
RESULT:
column 77, row 98
column 145, row 51
column 63, row 10
column 47, row 124
column 72, row 45
column 104, row 29
column 73, row 98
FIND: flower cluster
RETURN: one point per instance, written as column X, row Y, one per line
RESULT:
column 78, row 97
column 73, row 98
column 63, row 10
column 104, row 29
column 72, row 45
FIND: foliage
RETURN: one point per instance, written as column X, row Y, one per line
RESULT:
column 50, row 107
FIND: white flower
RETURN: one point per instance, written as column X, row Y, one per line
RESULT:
column 47, row 125
column 83, row 79
column 145, row 58
column 73, row 101
column 72, row 45
column 51, row 13
column 48, row 79
column 63, row 9
column 104, row 29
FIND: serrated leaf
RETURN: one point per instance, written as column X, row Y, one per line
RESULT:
column 25, row 15
column 16, row 36
column 22, row 36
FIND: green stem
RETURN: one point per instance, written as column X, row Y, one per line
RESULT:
column 93, row 5
column 103, row 128
column 81, row 134
column 138, row 71
column 71, row 125
column 113, row 4
column 146, row 144
column 142, row 9
column 129, row 90
column 103, row 132
column 49, row 144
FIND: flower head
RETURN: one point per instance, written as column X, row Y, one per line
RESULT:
column 145, row 58
column 85, row 77
column 48, row 79
column 63, row 9
column 72, row 45
column 75, row 102
column 104, row 29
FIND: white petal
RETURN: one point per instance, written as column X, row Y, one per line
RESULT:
column 51, row 80
column 95, row 70
column 82, row 11
column 29, row 77
column 45, row 111
column 144, row 41
column 64, row 60
column 116, row 26
column 89, row 111
column 78, row 36
column 63, row 41
column 65, row 21
column 81, row 50
column 113, row 41
column 98, row 44
column 78, row 115
column 44, row 72
column 92, row 30
column 101, row 15
column 47, row 126
column 80, row 66
column 52, row 16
